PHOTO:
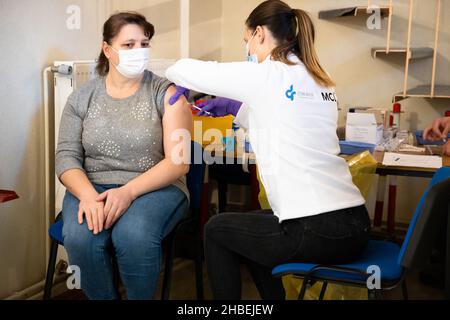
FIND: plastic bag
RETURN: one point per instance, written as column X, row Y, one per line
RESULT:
column 293, row 285
column 362, row 167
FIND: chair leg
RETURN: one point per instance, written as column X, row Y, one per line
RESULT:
column 375, row 294
column 405, row 290
column 223, row 188
column 324, row 289
column 199, row 264
column 165, row 294
column 301, row 296
column 50, row 270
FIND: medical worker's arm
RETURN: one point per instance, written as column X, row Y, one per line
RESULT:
column 438, row 130
column 238, row 80
column 219, row 107
column 241, row 119
column 69, row 167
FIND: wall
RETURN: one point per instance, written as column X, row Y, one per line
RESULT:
column 33, row 34
column 205, row 26
column 344, row 49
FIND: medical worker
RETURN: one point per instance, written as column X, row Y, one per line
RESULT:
column 287, row 101
column 438, row 130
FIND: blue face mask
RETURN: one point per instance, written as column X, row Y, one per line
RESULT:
column 251, row 57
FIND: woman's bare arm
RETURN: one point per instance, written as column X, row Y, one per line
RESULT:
column 176, row 121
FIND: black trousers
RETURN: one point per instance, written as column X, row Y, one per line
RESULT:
column 261, row 242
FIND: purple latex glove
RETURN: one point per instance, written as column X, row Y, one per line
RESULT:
column 181, row 91
column 220, row 107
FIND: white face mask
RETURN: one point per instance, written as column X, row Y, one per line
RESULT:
column 132, row 63
column 251, row 57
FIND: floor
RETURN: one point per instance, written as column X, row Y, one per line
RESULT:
column 183, row 283
column 183, row 288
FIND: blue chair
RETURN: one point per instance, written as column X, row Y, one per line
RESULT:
column 393, row 260
column 195, row 179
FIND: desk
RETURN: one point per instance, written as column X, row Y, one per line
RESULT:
column 6, row 196
column 389, row 174
column 385, row 172
column 238, row 156
column 406, row 171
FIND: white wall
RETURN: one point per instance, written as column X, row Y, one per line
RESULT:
column 33, row 34
column 344, row 49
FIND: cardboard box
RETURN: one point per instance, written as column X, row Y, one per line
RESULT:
column 365, row 126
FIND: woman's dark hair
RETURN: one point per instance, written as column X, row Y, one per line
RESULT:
column 294, row 31
column 112, row 28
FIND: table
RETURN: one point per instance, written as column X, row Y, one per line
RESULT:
column 6, row 195
column 389, row 174
column 408, row 171
column 238, row 156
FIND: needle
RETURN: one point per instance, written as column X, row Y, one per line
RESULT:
column 198, row 108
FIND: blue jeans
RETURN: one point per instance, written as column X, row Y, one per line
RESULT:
column 135, row 240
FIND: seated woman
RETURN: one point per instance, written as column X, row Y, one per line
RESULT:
column 126, row 190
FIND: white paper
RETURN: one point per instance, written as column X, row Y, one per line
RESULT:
column 408, row 160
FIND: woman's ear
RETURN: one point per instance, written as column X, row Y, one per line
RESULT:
column 106, row 50
column 260, row 34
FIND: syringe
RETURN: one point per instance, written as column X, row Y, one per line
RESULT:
column 198, row 108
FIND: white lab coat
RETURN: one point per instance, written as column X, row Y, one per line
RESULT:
column 292, row 124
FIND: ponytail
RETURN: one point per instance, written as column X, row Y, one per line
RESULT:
column 102, row 67
column 295, row 33
column 306, row 50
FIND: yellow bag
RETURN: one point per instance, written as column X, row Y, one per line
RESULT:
column 362, row 167
column 293, row 285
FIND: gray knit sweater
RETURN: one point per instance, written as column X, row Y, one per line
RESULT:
column 113, row 140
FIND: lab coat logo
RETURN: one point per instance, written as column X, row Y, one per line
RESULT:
column 290, row 94
column 73, row 22
column 329, row 96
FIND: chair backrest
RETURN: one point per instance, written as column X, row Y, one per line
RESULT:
column 196, row 175
column 430, row 215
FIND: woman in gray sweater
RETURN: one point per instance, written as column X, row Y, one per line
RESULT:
column 123, row 170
